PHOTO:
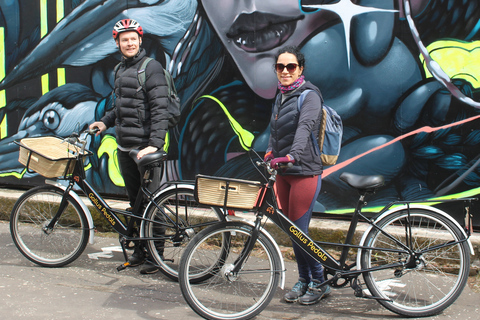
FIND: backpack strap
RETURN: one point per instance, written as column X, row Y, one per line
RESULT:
column 142, row 78
column 301, row 98
column 115, row 70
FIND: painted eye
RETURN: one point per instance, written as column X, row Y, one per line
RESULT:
column 51, row 119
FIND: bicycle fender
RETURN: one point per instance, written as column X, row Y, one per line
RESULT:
column 74, row 195
column 158, row 194
column 413, row 206
column 269, row 236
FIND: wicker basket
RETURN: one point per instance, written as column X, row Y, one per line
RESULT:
column 49, row 156
column 240, row 194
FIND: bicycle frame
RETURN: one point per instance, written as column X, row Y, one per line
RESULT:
column 413, row 259
column 268, row 207
column 110, row 214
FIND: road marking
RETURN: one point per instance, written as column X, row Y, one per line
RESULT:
column 107, row 253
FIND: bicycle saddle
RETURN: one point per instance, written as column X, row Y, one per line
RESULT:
column 148, row 159
column 362, row 182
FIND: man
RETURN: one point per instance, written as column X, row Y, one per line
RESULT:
column 140, row 116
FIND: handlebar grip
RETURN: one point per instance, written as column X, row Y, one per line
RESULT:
column 92, row 131
column 285, row 165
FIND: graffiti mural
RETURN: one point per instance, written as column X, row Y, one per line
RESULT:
column 403, row 75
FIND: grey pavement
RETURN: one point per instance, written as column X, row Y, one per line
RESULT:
column 92, row 288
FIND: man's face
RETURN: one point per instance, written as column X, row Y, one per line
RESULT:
column 129, row 43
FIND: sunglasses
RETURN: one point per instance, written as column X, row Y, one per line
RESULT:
column 291, row 67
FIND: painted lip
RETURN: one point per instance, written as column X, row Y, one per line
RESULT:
column 259, row 32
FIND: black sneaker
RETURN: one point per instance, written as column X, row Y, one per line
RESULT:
column 149, row 268
column 298, row 290
column 137, row 258
column 314, row 293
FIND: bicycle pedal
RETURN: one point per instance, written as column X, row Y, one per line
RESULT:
column 123, row 266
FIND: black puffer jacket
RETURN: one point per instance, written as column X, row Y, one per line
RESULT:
column 140, row 119
column 290, row 130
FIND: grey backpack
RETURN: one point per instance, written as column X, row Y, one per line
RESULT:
column 329, row 138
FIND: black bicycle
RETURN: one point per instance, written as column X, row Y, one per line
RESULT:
column 51, row 225
column 414, row 258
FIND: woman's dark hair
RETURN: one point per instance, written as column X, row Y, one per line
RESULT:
column 293, row 50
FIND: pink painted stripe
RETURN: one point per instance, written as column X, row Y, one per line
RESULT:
column 427, row 129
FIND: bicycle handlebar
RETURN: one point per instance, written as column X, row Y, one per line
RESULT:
column 271, row 171
column 75, row 139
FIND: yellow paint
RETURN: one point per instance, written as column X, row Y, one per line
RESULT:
column 60, row 77
column 458, row 59
column 45, row 84
column 2, row 59
column 60, row 71
column 245, row 137
column 14, row 174
column 43, row 33
column 43, row 18
column 472, row 193
column 3, row 98
column 60, row 10
column 109, row 147
column 167, row 142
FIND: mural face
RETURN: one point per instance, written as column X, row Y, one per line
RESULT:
column 402, row 74
column 252, row 32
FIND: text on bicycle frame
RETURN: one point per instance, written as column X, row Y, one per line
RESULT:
column 96, row 202
column 311, row 245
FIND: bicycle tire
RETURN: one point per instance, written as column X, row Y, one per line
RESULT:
column 58, row 247
column 438, row 278
column 192, row 215
column 224, row 296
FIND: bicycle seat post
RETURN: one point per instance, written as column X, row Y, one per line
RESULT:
column 353, row 225
column 364, row 185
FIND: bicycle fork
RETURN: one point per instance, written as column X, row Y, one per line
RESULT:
column 48, row 229
column 232, row 273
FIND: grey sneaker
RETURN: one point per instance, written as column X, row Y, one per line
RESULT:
column 298, row 290
column 314, row 293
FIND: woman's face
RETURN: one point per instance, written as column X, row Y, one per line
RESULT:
column 284, row 62
column 253, row 30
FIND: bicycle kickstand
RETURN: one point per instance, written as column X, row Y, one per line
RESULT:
column 124, row 265
column 358, row 291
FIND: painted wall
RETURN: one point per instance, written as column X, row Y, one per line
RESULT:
column 407, row 89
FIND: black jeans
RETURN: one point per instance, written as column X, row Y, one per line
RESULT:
column 133, row 180
column 133, row 177
column 130, row 174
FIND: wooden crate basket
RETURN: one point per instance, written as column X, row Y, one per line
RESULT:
column 241, row 194
column 49, row 156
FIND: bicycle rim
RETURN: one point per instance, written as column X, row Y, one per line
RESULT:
column 223, row 295
column 55, row 248
column 181, row 204
column 437, row 277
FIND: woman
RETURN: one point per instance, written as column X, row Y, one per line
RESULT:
column 291, row 142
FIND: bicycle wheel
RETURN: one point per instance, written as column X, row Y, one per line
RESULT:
column 32, row 212
column 192, row 217
column 224, row 295
column 430, row 280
